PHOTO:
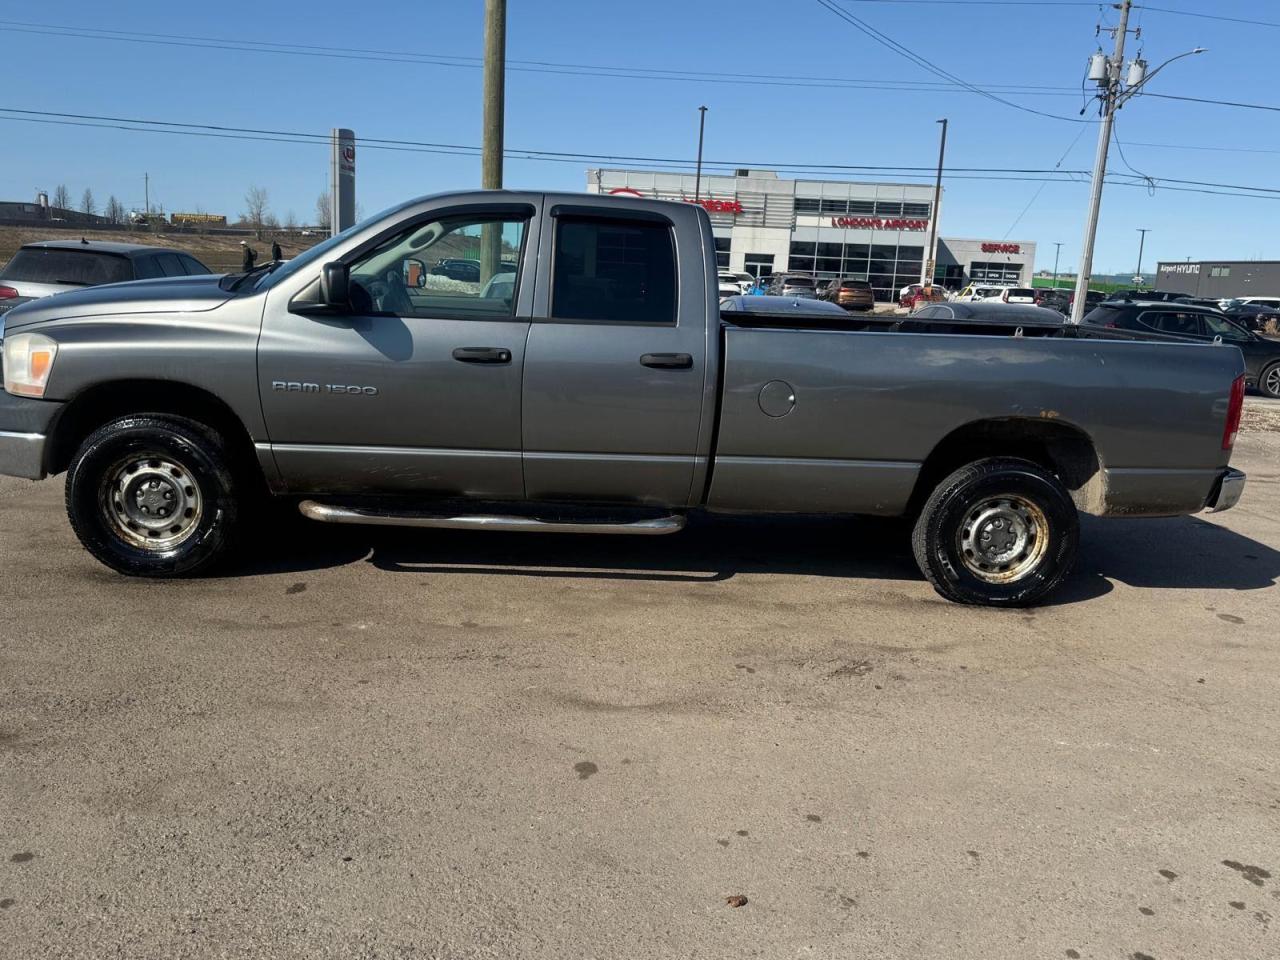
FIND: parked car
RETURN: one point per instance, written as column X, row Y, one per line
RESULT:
column 603, row 396
column 56, row 266
column 1053, row 298
column 1272, row 302
column 977, row 292
column 1146, row 296
column 775, row 306
column 1187, row 324
column 728, row 285
column 914, row 295
column 1253, row 316
column 851, row 294
column 792, row 285
column 1091, row 300
column 1018, row 295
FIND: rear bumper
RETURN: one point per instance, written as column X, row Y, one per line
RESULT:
column 25, row 425
column 1226, row 493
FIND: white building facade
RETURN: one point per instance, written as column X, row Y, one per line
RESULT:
column 878, row 232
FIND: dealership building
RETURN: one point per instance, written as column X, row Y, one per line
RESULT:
column 1218, row 279
column 765, row 224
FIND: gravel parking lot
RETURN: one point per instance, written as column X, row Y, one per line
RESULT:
column 436, row 745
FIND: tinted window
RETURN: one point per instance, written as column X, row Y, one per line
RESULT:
column 855, row 285
column 170, row 265
column 85, row 267
column 418, row 271
column 145, row 268
column 193, row 266
column 798, row 282
column 1224, row 329
column 1181, row 324
column 613, row 272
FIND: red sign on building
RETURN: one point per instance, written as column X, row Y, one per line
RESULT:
column 878, row 223
column 1001, row 248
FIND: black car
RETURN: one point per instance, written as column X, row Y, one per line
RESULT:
column 1091, row 300
column 1252, row 316
column 1185, row 323
column 1145, row 296
column 1053, row 298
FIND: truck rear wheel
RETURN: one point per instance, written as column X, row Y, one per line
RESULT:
column 153, row 495
column 1000, row 532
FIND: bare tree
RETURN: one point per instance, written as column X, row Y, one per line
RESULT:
column 324, row 210
column 87, row 204
column 61, row 198
column 115, row 210
column 291, row 221
column 271, row 222
column 256, row 202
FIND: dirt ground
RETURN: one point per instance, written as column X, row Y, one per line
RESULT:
column 391, row 744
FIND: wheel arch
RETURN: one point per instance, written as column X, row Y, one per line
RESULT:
column 103, row 402
column 1059, row 446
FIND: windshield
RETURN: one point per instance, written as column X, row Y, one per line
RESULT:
column 78, row 267
column 318, row 252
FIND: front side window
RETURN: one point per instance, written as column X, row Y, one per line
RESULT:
column 613, row 271
column 462, row 266
column 1224, row 329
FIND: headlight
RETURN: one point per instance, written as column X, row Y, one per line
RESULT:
column 28, row 361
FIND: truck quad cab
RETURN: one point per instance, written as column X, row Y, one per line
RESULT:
column 597, row 389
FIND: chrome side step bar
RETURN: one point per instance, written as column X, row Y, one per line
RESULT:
column 329, row 513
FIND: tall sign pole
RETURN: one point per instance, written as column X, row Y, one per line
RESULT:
column 342, row 179
column 1110, row 84
column 931, row 252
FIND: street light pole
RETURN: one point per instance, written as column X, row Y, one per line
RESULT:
column 1142, row 231
column 931, row 253
column 495, row 81
column 1057, row 251
column 697, row 177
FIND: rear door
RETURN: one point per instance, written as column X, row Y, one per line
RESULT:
column 616, row 362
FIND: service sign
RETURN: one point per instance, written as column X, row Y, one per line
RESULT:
column 1001, row 248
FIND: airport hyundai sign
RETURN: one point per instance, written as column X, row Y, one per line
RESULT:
column 1179, row 268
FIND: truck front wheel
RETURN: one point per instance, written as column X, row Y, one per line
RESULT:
column 153, row 495
column 1000, row 532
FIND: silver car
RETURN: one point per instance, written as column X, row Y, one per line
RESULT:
column 54, row 266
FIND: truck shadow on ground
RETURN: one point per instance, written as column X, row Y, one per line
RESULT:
column 1184, row 552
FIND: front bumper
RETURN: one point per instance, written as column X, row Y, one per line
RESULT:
column 25, row 425
column 1226, row 492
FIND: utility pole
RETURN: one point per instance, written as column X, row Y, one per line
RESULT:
column 697, row 177
column 1057, row 251
column 931, row 253
column 495, row 61
column 1114, row 93
column 146, row 192
column 1143, row 231
column 495, row 64
column 1110, row 84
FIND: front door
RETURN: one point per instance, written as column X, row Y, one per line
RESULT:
column 417, row 388
column 615, row 368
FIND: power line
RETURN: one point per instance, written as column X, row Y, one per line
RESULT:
column 613, row 71
column 893, row 45
column 1219, row 103
column 1213, row 16
column 1040, row 189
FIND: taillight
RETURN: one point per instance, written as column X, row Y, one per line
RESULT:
column 1235, row 407
column 7, row 293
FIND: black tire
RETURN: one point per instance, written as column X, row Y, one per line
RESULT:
column 1023, row 497
column 1269, row 381
column 166, row 468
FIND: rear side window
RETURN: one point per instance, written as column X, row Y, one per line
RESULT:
column 170, row 265
column 614, row 272
column 146, row 268
column 193, row 266
column 80, row 267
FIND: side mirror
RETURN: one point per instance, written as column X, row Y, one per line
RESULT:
column 335, row 285
column 415, row 273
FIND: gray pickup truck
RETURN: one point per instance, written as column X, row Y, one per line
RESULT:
column 588, row 381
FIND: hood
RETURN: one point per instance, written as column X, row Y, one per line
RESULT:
column 165, row 295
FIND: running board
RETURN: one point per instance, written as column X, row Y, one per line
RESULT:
column 329, row 513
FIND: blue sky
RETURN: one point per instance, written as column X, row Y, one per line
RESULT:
column 1010, row 44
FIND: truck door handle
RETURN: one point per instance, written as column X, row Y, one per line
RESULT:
column 482, row 354
column 667, row 361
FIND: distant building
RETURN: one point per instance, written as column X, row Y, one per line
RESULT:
column 43, row 213
column 1220, row 278
column 765, row 224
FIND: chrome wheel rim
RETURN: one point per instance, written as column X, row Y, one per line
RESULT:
column 152, row 502
column 1003, row 538
column 1273, row 381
